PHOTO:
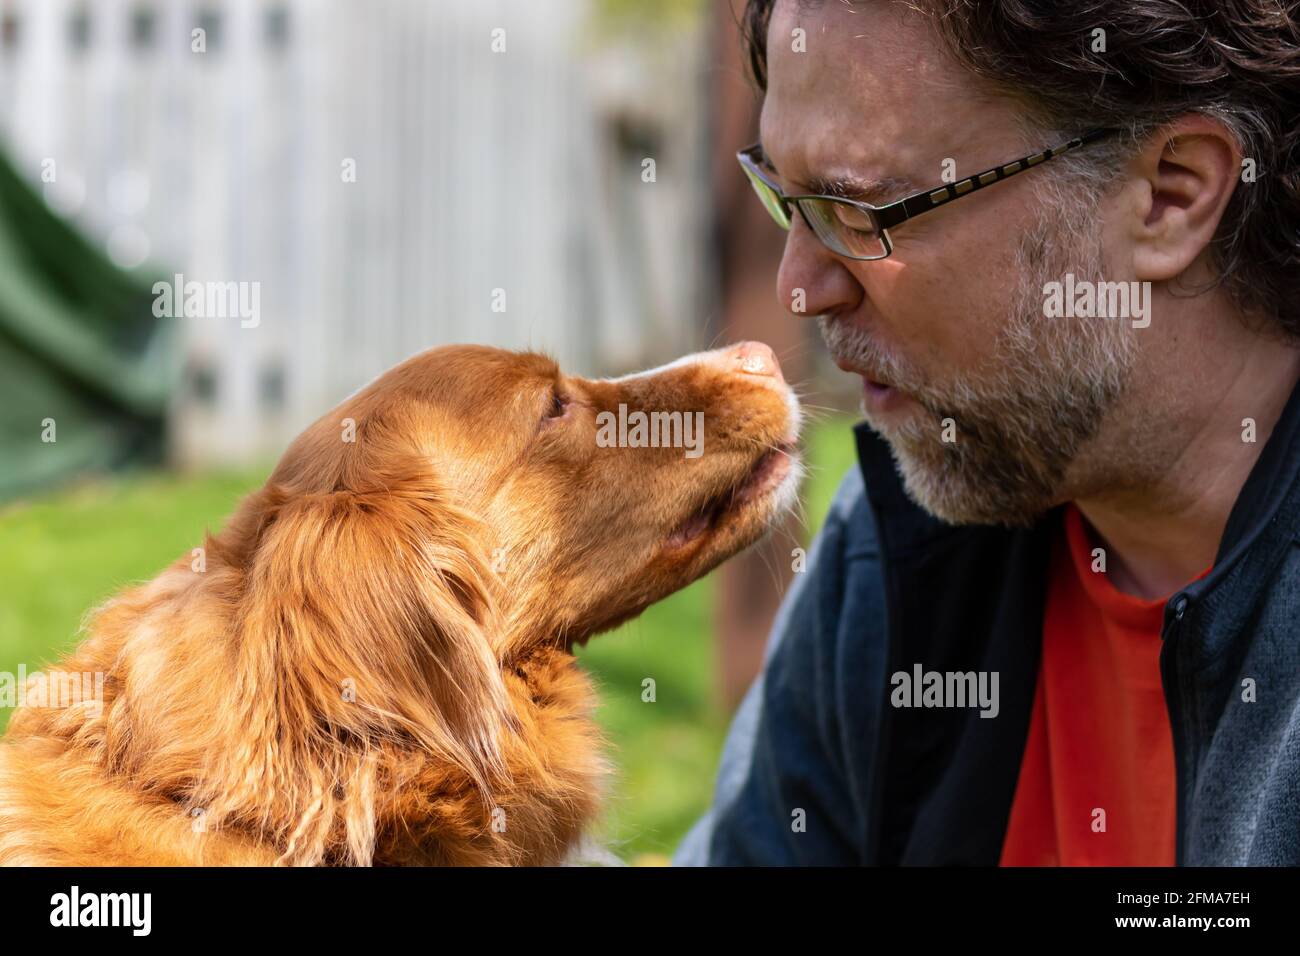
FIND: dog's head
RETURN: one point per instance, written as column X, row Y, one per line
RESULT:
column 567, row 504
column 380, row 643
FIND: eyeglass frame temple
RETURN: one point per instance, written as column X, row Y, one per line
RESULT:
column 912, row 206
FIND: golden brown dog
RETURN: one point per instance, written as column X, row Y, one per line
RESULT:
column 371, row 663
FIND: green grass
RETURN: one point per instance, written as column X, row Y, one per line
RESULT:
column 63, row 553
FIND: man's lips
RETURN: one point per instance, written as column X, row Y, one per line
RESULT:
column 878, row 396
column 845, row 365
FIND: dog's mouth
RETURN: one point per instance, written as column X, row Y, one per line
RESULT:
column 722, row 525
column 765, row 477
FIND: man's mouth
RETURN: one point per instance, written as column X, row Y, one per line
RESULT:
column 878, row 394
column 764, row 477
column 879, row 398
column 867, row 375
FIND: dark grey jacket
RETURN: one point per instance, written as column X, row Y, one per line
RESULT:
column 820, row 769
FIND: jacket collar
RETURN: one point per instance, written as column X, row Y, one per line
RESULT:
column 1256, row 510
column 910, row 525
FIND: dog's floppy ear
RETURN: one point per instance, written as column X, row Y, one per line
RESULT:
column 363, row 648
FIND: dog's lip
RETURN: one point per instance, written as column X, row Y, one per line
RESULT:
column 768, row 470
column 766, row 474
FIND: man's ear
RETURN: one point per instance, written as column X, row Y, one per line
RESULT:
column 1184, row 178
column 364, row 628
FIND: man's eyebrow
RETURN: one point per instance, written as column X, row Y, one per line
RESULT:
column 862, row 188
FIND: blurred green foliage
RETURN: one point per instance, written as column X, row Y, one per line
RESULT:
column 65, row 552
column 624, row 16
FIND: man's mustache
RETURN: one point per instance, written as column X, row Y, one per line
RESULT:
column 854, row 347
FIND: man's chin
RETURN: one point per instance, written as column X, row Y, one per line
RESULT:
column 957, row 492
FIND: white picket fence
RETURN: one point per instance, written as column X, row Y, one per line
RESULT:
column 476, row 170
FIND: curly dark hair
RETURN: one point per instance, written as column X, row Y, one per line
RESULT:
column 1235, row 60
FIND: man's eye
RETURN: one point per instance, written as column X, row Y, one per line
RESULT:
column 854, row 218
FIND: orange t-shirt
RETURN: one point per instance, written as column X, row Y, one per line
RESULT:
column 1096, row 784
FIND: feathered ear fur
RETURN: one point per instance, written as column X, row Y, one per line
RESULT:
column 361, row 651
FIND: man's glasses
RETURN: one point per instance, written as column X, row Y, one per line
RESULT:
column 859, row 230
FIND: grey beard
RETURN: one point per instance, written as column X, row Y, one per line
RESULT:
column 1021, row 419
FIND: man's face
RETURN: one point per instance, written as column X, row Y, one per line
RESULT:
column 987, row 404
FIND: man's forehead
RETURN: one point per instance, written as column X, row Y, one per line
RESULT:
column 808, row 6
column 866, row 90
column 826, row 116
column 882, row 46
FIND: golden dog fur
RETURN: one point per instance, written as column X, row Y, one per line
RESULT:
column 372, row 663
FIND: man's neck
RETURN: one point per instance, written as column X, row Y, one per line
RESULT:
column 1163, row 533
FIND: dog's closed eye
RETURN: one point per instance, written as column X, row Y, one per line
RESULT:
column 558, row 407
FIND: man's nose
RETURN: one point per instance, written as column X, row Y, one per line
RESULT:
column 812, row 280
